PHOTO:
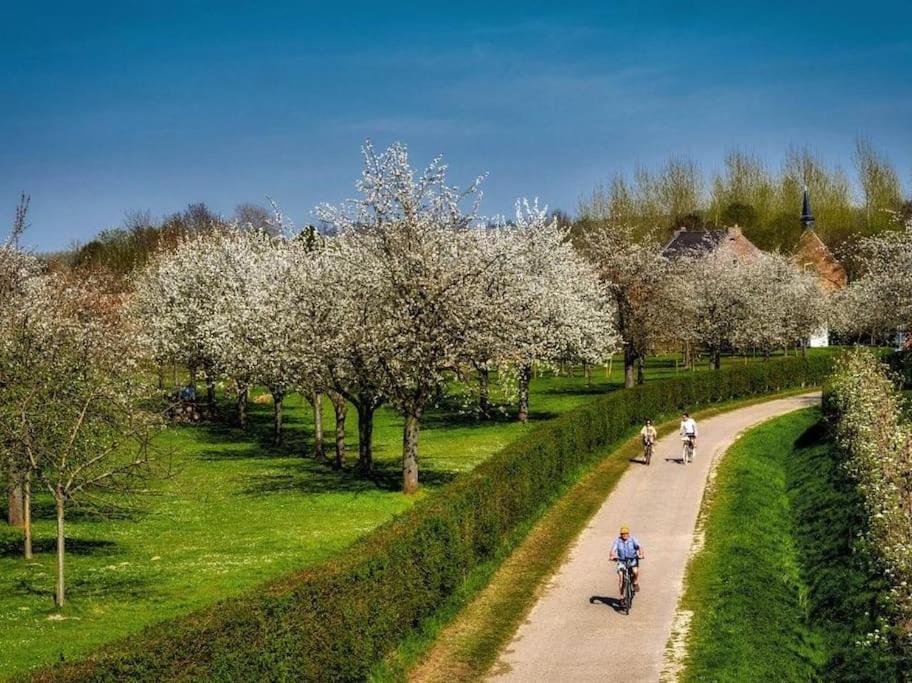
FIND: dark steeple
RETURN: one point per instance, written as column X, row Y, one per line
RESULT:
column 807, row 218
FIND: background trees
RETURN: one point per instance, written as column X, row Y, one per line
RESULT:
column 763, row 304
column 763, row 200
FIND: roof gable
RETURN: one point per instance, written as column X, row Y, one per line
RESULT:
column 700, row 242
column 812, row 254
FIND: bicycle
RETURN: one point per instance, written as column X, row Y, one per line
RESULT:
column 688, row 454
column 647, row 450
column 627, row 578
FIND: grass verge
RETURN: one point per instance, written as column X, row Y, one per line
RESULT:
column 776, row 592
column 463, row 639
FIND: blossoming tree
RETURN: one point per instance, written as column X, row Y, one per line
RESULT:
column 73, row 398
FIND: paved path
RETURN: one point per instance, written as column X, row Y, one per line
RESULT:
column 573, row 633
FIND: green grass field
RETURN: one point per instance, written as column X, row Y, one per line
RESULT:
column 235, row 513
column 776, row 592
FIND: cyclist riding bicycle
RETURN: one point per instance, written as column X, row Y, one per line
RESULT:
column 626, row 550
column 649, row 435
column 689, row 432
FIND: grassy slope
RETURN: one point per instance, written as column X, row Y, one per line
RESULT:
column 775, row 592
column 236, row 513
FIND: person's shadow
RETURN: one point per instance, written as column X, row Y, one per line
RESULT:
column 613, row 603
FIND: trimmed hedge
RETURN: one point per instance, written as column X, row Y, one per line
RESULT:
column 334, row 621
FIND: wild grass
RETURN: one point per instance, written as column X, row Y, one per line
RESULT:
column 777, row 592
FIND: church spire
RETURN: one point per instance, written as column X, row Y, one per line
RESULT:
column 807, row 218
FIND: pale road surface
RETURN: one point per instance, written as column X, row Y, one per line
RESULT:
column 567, row 637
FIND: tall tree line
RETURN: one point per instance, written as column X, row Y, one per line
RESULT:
column 763, row 201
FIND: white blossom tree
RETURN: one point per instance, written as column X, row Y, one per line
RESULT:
column 879, row 303
column 351, row 345
column 761, row 304
column 783, row 306
column 413, row 238
column 712, row 303
column 73, row 397
column 636, row 276
column 18, row 271
column 173, row 300
column 553, row 307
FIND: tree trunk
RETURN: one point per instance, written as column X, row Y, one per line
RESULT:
column 340, row 407
column 587, row 370
column 317, row 403
column 630, row 358
column 27, row 516
column 525, row 375
column 641, row 370
column 716, row 359
column 241, row 405
column 14, row 501
column 484, row 400
column 193, row 370
column 365, row 436
column 278, row 397
column 59, row 592
column 210, row 395
column 410, row 453
column 161, row 377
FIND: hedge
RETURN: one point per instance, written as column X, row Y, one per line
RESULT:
column 335, row 620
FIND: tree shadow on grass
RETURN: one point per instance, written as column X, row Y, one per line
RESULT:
column 310, row 477
column 43, row 508
column 259, row 430
column 595, row 390
column 458, row 420
column 12, row 547
column 111, row 586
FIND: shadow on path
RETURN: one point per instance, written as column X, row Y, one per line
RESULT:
column 613, row 603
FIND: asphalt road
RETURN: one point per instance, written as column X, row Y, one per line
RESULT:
column 575, row 631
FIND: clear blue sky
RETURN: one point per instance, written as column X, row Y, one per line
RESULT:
column 114, row 107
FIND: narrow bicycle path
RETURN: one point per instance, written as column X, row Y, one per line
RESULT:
column 574, row 632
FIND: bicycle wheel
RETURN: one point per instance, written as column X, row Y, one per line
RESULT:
column 628, row 593
column 648, row 453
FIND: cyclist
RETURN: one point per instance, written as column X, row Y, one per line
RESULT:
column 689, row 431
column 649, row 435
column 626, row 549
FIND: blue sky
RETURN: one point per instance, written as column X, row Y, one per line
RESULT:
column 113, row 107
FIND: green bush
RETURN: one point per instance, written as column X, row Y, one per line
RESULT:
column 334, row 621
column 900, row 362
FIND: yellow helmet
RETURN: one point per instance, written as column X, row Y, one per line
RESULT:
column 625, row 530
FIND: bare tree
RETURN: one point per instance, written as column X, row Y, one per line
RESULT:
column 255, row 217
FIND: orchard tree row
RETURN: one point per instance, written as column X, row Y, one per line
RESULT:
column 408, row 291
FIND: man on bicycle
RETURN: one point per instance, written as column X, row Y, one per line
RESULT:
column 626, row 549
column 689, row 431
column 649, row 435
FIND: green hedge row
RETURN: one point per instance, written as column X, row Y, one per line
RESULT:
column 334, row 621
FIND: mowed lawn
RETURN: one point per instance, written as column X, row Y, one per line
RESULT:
column 234, row 513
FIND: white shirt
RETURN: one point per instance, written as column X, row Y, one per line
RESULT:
column 688, row 427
